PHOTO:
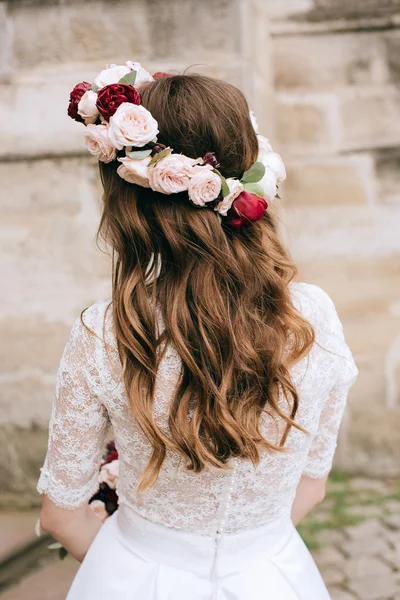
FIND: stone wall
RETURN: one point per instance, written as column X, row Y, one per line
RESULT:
column 337, row 74
column 323, row 80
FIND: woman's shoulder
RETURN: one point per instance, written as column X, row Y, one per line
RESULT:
column 317, row 307
column 315, row 304
column 95, row 321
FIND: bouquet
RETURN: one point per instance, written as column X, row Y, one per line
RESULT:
column 105, row 501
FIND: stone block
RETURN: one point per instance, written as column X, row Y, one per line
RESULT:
column 356, row 233
column 360, row 567
column 388, row 173
column 307, row 123
column 391, row 40
column 332, row 181
column 278, row 10
column 6, row 58
column 23, row 454
column 359, row 288
column 326, row 61
column 22, row 336
column 356, row 9
column 33, row 109
column 98, row 32
column 370, row 587
column 373, row 440
column 50, row 244
column 370, row 117
column 192, row 29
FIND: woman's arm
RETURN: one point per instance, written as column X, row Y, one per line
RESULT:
column 310, row 492
column 74, row 529
column 78, row 430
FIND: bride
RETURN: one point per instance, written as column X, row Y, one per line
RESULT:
column 223, row 380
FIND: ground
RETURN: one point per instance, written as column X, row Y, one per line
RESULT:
column 354, row 536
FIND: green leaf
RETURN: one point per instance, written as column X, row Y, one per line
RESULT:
column 62, row 553
column 254, row 188
column 139, row 153
column 160, row 155
column 254, row 174
column 278, row 196
column 55, row 546
column 225, row 191
column 94, row 88
column 129, row 78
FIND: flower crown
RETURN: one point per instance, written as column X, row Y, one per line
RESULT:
column 116, row 121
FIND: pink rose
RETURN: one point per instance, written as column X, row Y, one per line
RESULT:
column 171, row 175
column 235, row 188
column 132, row 125
column 99, row 509
column 98, row 144
column 87, row 108
column 246, row 209
column 74, row 99
column 134, row 170
column 109, row 474
column 204, row 186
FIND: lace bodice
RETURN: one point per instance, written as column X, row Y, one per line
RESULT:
column 90, row 397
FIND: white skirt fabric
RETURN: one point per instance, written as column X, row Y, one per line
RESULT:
column 132, row 558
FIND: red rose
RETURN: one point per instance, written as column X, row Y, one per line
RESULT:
column 74, row 99
column 246, row 209
column 112, row 96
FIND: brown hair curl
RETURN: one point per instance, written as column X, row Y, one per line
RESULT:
column 223, row 294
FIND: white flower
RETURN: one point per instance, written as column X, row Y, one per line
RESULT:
column 132, row 125
column 254, row 121
column 112, row 74
column 172, row 174
column 135, row 170
column 87, row 108
column 268, row 184
column 235, row 188
column 264, row 147
column 109, row 474
column 99, row 509
column 142, row 76
column 275, row 163
column 98, row 144
column 204, row 186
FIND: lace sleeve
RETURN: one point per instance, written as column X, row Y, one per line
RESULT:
column 343, row 373
column 78, row 425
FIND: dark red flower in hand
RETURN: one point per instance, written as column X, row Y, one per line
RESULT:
column 74, row 99
column 112, row 96
column 246, row 209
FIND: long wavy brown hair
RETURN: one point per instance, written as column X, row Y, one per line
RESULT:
column 223, row 294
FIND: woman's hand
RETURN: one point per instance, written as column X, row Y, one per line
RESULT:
column 74, row 529
column 310, row 492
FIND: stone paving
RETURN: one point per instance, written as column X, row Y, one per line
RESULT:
column 354, row 536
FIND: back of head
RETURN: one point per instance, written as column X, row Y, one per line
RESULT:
column 223, row 292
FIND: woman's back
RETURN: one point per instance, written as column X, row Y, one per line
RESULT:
column 224, row 382
column 243, row 497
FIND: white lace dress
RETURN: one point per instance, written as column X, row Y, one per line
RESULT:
column 214, row 535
